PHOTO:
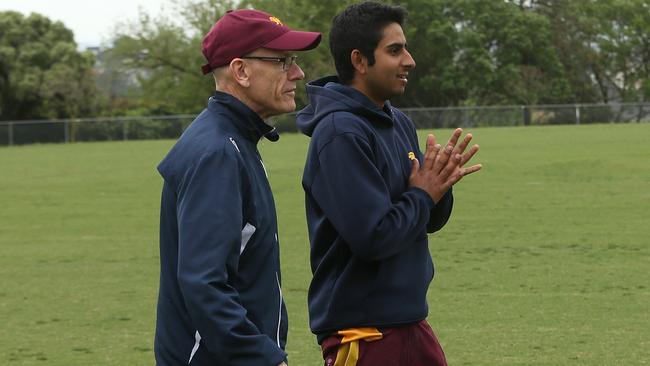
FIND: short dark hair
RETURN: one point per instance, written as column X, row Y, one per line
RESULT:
column 360, row 26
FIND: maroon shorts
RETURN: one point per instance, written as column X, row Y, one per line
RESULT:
column 411, row 345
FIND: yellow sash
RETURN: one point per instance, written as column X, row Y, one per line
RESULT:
column 348, row 351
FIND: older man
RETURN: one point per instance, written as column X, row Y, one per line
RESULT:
column 220, row 300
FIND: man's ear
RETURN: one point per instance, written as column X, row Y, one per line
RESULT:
column 240, row 72
column 359, row 61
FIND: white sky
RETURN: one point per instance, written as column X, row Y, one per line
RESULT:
column 92, row 21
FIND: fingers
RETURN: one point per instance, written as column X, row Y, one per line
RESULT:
column 414, row 168
column 443, row 156
column 450, row 167
column 463, row 144
column 456, row 176
column 444, row 166
column 453, row 140
column 431, row 152
column 473, row 169
column 466, row 157
column 442, row 159
column 431, row 140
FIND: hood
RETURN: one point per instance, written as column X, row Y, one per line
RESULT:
column 328, row 95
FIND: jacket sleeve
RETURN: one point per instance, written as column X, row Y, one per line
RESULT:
column 441, row 212
column 210, row 224
column 351, row 191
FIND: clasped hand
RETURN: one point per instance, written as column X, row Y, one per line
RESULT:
column 442, row 168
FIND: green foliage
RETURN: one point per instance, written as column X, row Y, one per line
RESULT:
column 604, row 46
column 165, row 55
column 468, row 52
column 465, row 52
column 544, row 260
column 625, row 45
column 575, row 31
column 42, row 75
column 480, row 52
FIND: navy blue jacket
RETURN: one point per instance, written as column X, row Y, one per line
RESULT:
column 368, row 230
column 220, row 301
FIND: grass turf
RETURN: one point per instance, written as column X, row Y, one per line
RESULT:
column 545, row 261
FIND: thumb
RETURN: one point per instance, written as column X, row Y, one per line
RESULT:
column 414, row 168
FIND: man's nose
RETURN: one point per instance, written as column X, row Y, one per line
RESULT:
column 295, row 72
column 408, row 60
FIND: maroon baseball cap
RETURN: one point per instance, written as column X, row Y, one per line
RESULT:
column 240, row 32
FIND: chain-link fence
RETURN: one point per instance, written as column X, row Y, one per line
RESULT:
column 93, row 129
column 528, row 115
column 170, row 127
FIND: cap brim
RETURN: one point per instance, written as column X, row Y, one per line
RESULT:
column 295, row 41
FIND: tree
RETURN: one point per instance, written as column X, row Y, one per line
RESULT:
column 42, row 75
column 604, row 46
column 165, row 56
column 575, row 31
column 167, row 53
column 624, row 44
column 481, row 52
column 467, row 52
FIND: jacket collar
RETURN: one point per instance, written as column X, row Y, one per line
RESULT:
column 246, row 121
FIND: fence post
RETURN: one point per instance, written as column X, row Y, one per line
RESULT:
column 66, row 131
column 525, row 111
column 577, row 106
column 465, row 118
column 125, row 131
column 10, row 132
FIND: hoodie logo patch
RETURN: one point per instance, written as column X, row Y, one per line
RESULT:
column 411, row 155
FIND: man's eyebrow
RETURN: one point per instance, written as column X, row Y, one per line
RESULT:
column 396, row 45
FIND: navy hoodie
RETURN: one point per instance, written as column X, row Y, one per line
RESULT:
column 367, row 228
column 220, row 301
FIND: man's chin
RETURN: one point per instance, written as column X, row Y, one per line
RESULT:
column 290, row 107
column 396, row 93
column 400, row 90
column 284, row 110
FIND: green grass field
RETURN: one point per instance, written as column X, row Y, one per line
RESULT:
column 546, row 260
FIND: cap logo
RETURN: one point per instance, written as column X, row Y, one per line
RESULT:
column 275, row 20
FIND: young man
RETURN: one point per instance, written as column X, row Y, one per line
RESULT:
column 220, row 300
column 371, row 198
